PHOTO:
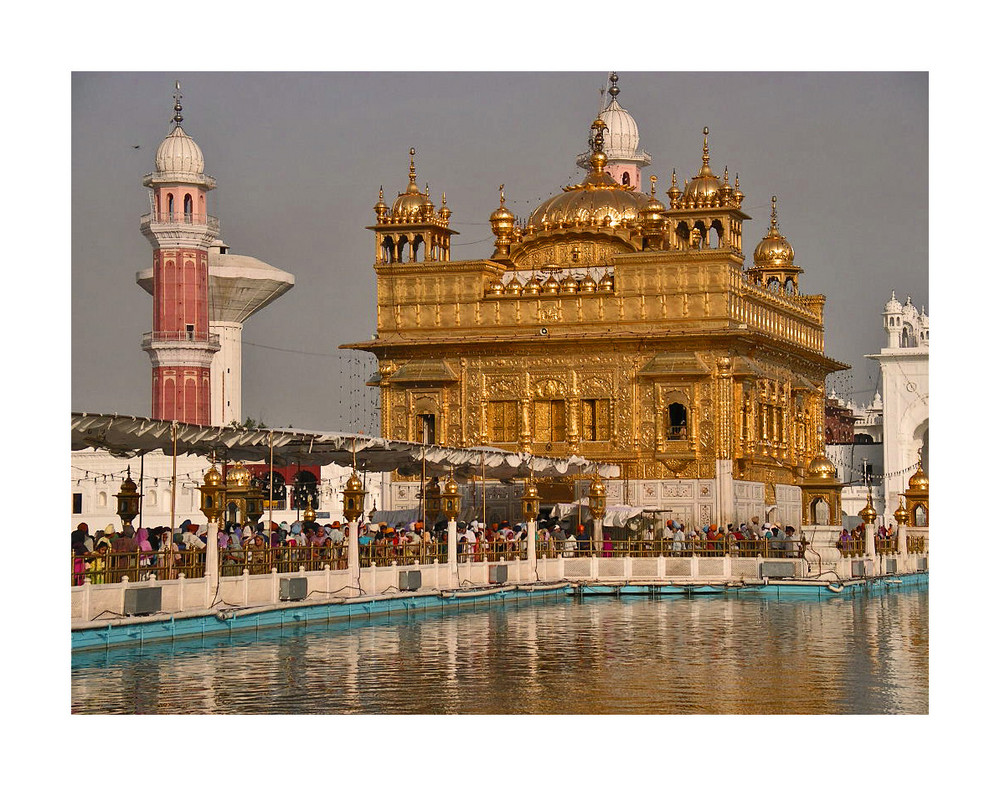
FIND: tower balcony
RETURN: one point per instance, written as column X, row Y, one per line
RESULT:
column 180, row 339
column 170, row 221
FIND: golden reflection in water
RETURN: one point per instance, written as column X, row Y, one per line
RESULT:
column 671, row 655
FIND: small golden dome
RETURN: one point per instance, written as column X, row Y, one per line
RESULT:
column 514, row 287
column 588, row 284
column 450, row 486
column 533, row 286
column 774, row 249
column 496, row 287
column 213, row 477
column 445, row 211
column 569, row 285
column 381, row 208
column 551, row 285
column 822, row 467
column 705, row 186
column 607, row 283
column 597, row 488
column 412, row 204
column 901, row 515
column 128, row 485
column 238, row 477
column 354, row 483
column 868, row 513
column 919, row 480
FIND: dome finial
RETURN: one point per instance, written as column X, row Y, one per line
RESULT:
column 503, row 199
column 774, row 212
column 704, row 149
column 178, row 118
column 613, row 91
column 413, row 168
column 652, row 186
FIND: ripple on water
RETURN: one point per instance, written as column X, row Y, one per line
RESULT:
column 667, row 655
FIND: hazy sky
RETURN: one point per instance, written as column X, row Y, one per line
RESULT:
column 299, row 158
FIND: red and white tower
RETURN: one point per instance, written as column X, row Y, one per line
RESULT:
column 180, row 230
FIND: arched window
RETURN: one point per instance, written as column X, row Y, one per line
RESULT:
column 626, row 180
column 919, row 516
column 170, row 206
column 677, row 421
column 305, row 490
column 773, row 284
column 402, row 254
column 790, row 286
column 188, row 208
column 274, row 490
column 819, row 512
column 388, row 250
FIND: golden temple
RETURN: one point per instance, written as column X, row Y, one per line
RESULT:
column 609, row 325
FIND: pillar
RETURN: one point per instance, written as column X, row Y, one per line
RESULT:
column 354, row 554
column 532, row 553
column 212, row 559
column 452, row 552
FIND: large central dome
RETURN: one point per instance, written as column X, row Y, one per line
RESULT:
column 597, row 199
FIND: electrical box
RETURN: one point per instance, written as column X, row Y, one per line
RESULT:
column 293, row 588
column 498, row 574
column 143, row 600
column 409, row 580
column 777, row 570
column 890, row 566
column 861, row 568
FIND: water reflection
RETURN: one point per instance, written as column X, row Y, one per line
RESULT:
column 673, row 655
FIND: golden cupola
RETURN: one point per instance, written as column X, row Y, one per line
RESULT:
column 412, row 204
column 919, row 481
column 773, row 258
column 598, row 200
column 703, row 189
column 412, row 230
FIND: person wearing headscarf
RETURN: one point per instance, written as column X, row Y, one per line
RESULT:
column 107, row 537
column 88, row 542
column 144, row 547
column 78, row 551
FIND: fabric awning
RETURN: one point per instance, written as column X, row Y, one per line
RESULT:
column 126, row 436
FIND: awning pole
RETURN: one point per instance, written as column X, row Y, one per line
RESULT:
column 270, row 483
column 173, row 480
column 483, row 456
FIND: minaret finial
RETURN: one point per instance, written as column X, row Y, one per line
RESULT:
column 503, row 199
column 178, row 118
column 652, row 186
column 413, row 168
column 774, row 213
column 704, row 149
column 613, row 91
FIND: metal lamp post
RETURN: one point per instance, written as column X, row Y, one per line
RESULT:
column 451, row 499
column 128, row 499
column 213, row 503
column 354, row 500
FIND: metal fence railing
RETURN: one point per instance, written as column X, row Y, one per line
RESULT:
column 764, row 547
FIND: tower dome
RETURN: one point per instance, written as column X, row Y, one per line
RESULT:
column 622, row 135
column 704, row 186
column 179, row 153
column 822, row 467
column 412, row 203
column 774, row 249
column 893, row 306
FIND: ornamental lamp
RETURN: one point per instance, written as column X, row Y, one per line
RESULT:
column 354, row 498
column 598, row 498
column 529, row 500
column 309, row 515
column 868, row 513
column 128, row 499
column 901, row 515
column 451, row 497
column 213, row 494
column 254, row 503
column 432, row 500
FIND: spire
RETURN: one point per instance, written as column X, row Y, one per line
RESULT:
column 613, row 91
column 705, row 168
column 178, row 118
column 412, row 187
column 774, row 214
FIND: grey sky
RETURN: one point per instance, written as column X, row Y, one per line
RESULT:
column 299, row 159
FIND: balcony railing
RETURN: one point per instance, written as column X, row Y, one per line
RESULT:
column 188, row 336
column 189, row 219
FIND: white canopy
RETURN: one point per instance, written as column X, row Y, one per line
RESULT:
column 614, row 515
column 129, row 435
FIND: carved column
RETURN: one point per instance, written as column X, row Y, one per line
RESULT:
column 724, row 408
column 573, row 416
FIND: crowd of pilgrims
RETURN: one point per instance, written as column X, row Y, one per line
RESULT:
column 157, row 547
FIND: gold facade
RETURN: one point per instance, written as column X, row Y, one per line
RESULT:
column 607, row 325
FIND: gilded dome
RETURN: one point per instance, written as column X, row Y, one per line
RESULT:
column 450, row 487
column 822, row 467
column 213, row 477
column 179, row 153
column 238, row 476
column 412, row 204
column 774, row 249
column 919, row 480
column 514, row 286
column 354, row 483
column 705, row 186
column 597, row 200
